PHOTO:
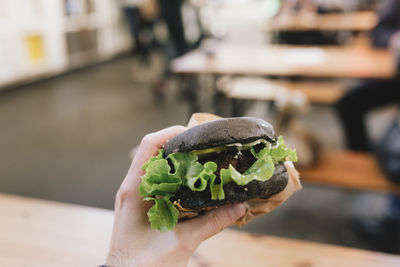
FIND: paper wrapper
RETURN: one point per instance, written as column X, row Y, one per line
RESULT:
column 255, row 207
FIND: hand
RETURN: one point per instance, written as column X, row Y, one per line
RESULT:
column 134, row 243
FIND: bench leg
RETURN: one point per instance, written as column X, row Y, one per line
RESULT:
column 237, row 107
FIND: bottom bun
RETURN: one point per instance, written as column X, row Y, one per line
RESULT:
column 188, row 200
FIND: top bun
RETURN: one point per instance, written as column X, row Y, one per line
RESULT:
column 221, row 132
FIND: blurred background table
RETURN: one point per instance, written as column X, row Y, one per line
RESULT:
column 43, row 233
column 286, row 60
column 350, row 21
column 282, row 61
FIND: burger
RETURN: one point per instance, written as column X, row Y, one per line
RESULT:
column 216, row 163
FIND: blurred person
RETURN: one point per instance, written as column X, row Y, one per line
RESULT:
column 352, row 109
column 139, row 15
column 134, row 243
column 171, row 13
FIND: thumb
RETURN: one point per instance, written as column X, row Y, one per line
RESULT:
column 213, row 222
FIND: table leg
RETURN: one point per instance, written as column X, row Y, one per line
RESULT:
column 189, row 92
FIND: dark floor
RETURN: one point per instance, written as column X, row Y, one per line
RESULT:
column 68, row 139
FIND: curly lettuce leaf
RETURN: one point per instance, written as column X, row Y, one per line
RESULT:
column 279, row 153
column 183, row 163
column 158, row 179
column 261, row 170
column 198, row 177
column 282, row 153
column 187, row 171
column 158, row 156
column 163, row 215
column 217, row 186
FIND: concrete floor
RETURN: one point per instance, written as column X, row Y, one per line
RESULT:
column 68, row 139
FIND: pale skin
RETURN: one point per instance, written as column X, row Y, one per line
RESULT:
column 134, row 243
column 394, row 42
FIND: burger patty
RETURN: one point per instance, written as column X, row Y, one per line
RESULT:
column 199, row 200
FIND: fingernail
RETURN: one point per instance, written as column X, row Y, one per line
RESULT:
column 238, row 209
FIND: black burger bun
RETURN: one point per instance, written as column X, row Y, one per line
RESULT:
column 221, row 132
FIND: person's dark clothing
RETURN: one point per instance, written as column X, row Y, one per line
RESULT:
column 132, row 15
column 354, row 105
column 136, row 24
column 352, row 109
column 171, row 13
column 389, row 23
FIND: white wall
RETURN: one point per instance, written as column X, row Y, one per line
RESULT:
column 47, row 23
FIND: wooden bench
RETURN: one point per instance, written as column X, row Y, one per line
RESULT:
column 266, row 89
column 351, row 170
column 44, row 233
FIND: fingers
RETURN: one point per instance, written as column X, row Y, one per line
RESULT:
column 152, row 142
column 202, row 228
column 149, row 147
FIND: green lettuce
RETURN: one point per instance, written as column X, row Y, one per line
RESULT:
column 217, row 186
column 261, row 170
column 162, row 215
column 152, row 159
column 160, row 182
column 197, row 179
column 281, row 152
column 158, row 179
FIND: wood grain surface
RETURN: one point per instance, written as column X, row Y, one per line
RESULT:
column 348, row 169
column 286, row 60
column 44, row 233
column 351, row 21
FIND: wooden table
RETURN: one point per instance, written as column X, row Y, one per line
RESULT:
column 286, row 60
column 351, row 21
column 43, row 233
column 279, row 61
